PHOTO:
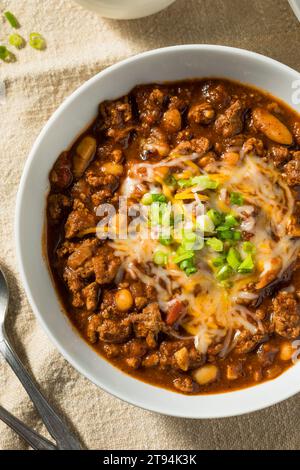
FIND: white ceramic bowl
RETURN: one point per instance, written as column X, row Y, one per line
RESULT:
column 295, row 4
column 125, row 9
column 73, row 115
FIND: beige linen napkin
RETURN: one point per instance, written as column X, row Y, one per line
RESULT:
column 81, row 44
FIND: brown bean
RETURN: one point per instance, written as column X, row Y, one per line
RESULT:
column 270, row 125
column 112, row 168
column 231, row 158
column 124, row 300
column 85, row 152
column 172, row 120
column 286, row 351
column 206, row 374
column 182, row 358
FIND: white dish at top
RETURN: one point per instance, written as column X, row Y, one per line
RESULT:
column 125, row 9
column 169, row 64
column 295, row 4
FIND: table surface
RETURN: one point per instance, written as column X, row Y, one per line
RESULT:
column 79, row 45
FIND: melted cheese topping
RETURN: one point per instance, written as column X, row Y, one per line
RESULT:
column 215, row 312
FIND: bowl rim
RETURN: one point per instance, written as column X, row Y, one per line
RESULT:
column 295, row 5
column 182, row 413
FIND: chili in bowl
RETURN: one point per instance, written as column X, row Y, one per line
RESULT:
column 206, row 303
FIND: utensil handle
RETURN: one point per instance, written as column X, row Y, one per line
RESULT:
column 56, row 427
column 35, row 440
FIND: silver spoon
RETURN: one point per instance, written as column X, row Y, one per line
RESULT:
column 61, row 434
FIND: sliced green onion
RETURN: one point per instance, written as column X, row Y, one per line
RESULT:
column 147, row 199
column 159, row 197
column 219, row 261
column 6, row 55
column 191, row 241
column 236, row 199
column 205, row 223
column 165, row 215
column 222, row 228
column 215, row 216
column 227, row 284
column 14, row 23
column 204, row 181
column 170, row 180
column 237, row 235
column 188, row 240
column 182, row 255
column 165, row 240
column 160, row 258
column 247, row 265
column 215, row 244
column 37, row 41
column 233, row 259
column 224, row 273
column 248, row 247
column 190, row 271
column 3, row 52
column 184, row 183
column 188, row 266
column 226, row 234
column 230, row 221
column 17, row 41
column 189, row 236
column 187, row 263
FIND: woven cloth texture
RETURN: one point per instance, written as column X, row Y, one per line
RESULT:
column 80, row 44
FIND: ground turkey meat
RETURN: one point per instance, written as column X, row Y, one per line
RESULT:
column 82, row 253
column 180, row 355
column 92, row 328
column 135, row 348
column 278, row 155
column 115, row 331
column 217, row 95
column 75, row 285
column 57, row 204
column 91, row 295
column 292, row 172
column 150, row 106
column 297, row 132
column 231, row 122
column 185, row 384
column 142, row 294
column 98, row 180
column 253, row 146
column 105, row 265
column 247, row 341
column 202, row 113
column 201, row 146
column 79, row 219
column 286, row 316
column 148, row 324
column 116, row 114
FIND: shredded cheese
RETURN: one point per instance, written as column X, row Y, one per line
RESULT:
column 215, row 312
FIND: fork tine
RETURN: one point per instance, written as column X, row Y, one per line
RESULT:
column 35, row 440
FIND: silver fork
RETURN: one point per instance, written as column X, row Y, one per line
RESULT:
column 57, row 428
column 35, row 440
